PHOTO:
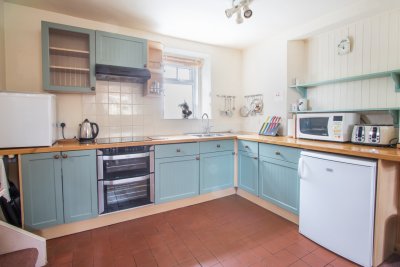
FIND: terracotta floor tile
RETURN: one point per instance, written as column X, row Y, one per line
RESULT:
column 230, row 231
column 298, row 250
column 299, row 263
column 190, row 263
column 285, row 257
column 126, row 261
column 207, row 259
column 144, row 259
column 325, row 254
column 340, row 262
column 88, row 262
column 314, row 261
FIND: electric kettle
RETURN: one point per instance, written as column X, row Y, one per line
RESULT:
column 87, row 133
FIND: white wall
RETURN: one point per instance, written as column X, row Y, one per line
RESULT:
column 271, row 65
column 2, row 55
column 264, row 72
column 375, row 48
column 23, row 70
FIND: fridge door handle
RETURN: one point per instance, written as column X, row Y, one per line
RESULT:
column 300, row 168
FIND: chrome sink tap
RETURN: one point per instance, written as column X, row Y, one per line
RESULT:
column 206, row 129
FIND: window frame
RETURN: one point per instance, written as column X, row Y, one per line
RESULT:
column 194, row 82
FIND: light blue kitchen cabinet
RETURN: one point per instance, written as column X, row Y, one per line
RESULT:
column 42, row 190
column 279, row 183
column 120, row 50
column 79, row 185
column 59, row 188
column 248, row 172
column 68, row 58
column 176, row 178
column 216, row 171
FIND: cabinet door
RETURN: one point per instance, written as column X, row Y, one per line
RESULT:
column 216, row 171
column 248, row 172
column 68, row 58
column 79, row 185
column 176, row 178
column 279, row 183
column 42, row 190
column 120, row 50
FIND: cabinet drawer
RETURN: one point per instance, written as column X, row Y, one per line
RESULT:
column 216, row 146
column 176, row 150
column 280, row 152
column 248, row 146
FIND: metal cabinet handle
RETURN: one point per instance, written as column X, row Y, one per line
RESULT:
column 56, row 156
column 197, row 158
column 246, row 147
column 64, row 156
column 218, row 145
column 92, row 88
column 178, row 150
column 277, row 153
column 255, row 158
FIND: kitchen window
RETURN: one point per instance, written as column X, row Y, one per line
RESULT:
column 183, row 91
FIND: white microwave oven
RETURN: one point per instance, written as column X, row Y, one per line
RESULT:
column 335, row 127
column 27, row 120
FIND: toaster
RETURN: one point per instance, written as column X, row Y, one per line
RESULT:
column 370, row 134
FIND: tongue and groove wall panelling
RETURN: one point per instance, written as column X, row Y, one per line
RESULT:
column 375, row 43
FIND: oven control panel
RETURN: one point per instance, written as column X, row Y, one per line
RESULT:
column 123, row 150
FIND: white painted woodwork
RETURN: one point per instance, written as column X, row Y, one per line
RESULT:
column 375, row 48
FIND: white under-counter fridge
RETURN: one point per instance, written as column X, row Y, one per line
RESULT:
column 337, row 203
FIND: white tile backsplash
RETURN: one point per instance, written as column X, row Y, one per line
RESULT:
column 117, row 108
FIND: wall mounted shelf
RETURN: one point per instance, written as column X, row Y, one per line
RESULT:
column 394, row 112
column 395, row 74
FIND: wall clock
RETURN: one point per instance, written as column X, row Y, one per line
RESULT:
column 344, row 46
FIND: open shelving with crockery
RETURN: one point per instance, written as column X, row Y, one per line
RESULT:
column 68, row 58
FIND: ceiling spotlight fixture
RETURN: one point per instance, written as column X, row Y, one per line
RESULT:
column 247, row 12
column 239, row 18
column 237, row 7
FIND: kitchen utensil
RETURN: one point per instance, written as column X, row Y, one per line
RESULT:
column 244, row 111
column 87, row 133
column 233, row 104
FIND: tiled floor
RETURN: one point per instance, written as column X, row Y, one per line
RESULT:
column 226, row 232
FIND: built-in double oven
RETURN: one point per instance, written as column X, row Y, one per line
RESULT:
column 125, row 177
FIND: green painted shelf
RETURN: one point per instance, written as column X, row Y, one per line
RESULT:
column 395, row 112
column 395, row 74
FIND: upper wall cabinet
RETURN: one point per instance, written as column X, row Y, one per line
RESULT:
column 120, row 50
column 68, row 58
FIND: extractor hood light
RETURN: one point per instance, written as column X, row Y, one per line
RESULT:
column 247, row 12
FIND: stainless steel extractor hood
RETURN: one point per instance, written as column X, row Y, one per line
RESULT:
column 117, row 73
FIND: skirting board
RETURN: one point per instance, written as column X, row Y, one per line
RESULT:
column 269, row 206
column 117, row 217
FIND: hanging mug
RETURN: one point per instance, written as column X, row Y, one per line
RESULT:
column 303, row 104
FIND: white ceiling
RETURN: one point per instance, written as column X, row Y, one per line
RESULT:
column 197, row 20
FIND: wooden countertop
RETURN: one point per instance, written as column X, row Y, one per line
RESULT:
column 391, row 154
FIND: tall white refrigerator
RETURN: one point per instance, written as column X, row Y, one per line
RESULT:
column 337, row 200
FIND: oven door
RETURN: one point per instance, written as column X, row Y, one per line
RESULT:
column 115, row 195
column 117, row 167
